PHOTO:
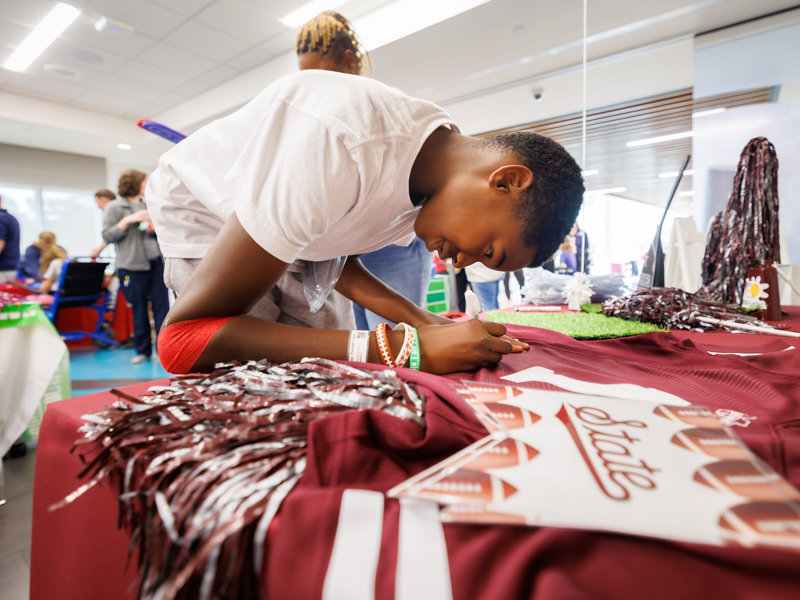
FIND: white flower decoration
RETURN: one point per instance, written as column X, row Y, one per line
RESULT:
column 577, row 291
column 755, row 293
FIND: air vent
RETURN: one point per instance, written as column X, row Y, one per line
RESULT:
column 62, row 71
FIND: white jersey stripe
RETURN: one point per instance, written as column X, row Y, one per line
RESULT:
column 423, row 571
column 354, row 561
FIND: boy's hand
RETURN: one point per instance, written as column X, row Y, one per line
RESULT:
column 465, row 346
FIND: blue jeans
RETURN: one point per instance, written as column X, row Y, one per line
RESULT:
column 139, row 287
column 405, row 269
column 487, row 291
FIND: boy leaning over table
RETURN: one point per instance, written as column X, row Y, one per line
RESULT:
column 322, row 165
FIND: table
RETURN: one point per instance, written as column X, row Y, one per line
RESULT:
column 79, row 553
column 34, row 370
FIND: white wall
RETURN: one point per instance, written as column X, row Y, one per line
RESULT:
column 760, row 60
column 661, row 69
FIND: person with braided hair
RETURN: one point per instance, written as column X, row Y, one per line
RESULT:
column 329, row 42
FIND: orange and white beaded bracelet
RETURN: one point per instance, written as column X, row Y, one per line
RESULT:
column 383, row 344
column 408, row 344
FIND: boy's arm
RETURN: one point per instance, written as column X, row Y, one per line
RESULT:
column 218, row 289
column 362, row 287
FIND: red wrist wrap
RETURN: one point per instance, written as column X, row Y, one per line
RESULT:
column 181, row 344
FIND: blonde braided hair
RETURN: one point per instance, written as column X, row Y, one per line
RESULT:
column 331, row 31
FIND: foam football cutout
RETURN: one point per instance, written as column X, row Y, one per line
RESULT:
column 690, row 415
column 513, row 417
column 490, row 393
column 712, row 442
column 508, row 453
column 743, row 478
column 465, row 485
column 471, row 513
column 760, row 523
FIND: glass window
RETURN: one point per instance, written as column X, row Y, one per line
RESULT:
column 24, row 204
column 74, row 218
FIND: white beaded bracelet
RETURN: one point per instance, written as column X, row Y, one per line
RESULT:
column 358, row 346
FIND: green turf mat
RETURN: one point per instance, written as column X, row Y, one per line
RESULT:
column 580, row 325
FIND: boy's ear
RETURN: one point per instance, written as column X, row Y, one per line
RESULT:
column 511, row 178
column 349, row 62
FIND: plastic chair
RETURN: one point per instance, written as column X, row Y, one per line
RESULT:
column 81, row 284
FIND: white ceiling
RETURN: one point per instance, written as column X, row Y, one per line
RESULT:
column 189, row 61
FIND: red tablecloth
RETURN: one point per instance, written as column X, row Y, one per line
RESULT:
column 78, row 552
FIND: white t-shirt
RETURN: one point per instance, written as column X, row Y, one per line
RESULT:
column 480, row 273
column 316, row 167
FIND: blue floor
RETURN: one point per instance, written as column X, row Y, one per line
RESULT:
column 94, row 370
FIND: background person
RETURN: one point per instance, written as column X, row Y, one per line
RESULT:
column 485, row 282
column 102, row 198
column 566, row 261
column 32, row 266
column 329, row 42
column 9, row 244
column 139, row 263
column 581, row 242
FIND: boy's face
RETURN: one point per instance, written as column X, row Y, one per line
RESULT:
column 468, row 223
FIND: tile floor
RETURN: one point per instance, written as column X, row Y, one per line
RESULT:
column 91, row 371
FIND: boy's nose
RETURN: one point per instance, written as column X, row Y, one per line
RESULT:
column 462, row 260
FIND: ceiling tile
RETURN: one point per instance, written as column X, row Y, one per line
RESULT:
column 83, row 32
column 29, row 12
column 205, row 41
column 241, row 20
column 185, row 7
column 68, row 51
column 250, row 59
column 87, row 76
column 192, row 88
column 278, row 8
column 12, row 34
column 147, row 18
column 131, row 89
column 151, row 75
column 110, row 103
column 170, row 100
column 219, row 75
column 281, row 43
column 177, row 60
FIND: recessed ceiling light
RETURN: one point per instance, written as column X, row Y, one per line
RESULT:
column 675, row 173
column 689, row 193
column 661, row 138
column 124, row 146
column 616, row 190
column 590, row 172
column 52, row 26
column 705, row 113
column 62, row 71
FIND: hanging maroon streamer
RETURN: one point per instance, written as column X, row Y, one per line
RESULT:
column 745, row 234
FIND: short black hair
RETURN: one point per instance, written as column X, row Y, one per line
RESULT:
column 550, row 205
